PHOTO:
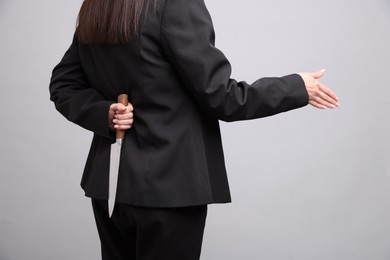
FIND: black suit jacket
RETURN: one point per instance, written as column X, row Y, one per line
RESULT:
column 180, row 86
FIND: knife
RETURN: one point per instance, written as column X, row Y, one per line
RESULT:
column 115, row 155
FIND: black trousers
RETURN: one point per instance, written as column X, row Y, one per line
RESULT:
column 139, row 233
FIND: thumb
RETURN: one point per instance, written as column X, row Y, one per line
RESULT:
column 118, row 107
column 121, row 108
column 318, row 74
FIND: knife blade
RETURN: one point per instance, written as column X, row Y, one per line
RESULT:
column 115, row 155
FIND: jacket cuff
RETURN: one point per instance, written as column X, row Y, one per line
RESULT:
column 299, row 90
column 102, row 125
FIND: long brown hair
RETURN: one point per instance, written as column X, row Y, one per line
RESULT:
column 108, row 21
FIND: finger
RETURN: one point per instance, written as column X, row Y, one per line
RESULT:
column 124, row 116
column 118, row 107
column 129, row 107
column 123, row 122
column 125, row 109
column 329, row 93
column 316, row 104
column 325, row 99
column 322, row 99
column 123, row 127
column 121, row 108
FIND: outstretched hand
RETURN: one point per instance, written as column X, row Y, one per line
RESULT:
column 319, row 95
column 120, row 117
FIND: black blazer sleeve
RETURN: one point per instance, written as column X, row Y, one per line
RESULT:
column 187, row 36
column 74, row 98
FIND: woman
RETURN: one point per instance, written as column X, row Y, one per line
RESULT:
column 161, row 53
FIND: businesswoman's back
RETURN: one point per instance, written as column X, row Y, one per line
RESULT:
column 161, row 53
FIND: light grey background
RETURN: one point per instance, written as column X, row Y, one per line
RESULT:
column 306, row 185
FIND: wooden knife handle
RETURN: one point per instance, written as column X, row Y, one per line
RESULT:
column 123, row 99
